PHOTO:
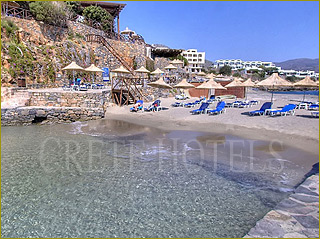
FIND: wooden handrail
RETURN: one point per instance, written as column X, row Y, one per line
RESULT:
column 101, row 40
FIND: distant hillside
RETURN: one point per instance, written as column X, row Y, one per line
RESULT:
column 208, row 64
column 300, row 64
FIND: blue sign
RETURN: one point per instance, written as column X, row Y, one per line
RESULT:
column 105, row 74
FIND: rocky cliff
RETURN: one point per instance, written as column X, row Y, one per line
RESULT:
column 38, row 52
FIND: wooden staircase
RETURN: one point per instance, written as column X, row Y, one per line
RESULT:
column 101, row 40
column 123, row 90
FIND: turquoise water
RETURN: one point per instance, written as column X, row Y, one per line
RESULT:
column 116, row 179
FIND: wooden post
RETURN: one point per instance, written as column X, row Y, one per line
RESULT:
column 118, row 24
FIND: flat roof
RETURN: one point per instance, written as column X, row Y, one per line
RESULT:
column 113, row 8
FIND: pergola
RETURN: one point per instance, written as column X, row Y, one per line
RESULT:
column 113, row 8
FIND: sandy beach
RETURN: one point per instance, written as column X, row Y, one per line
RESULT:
column 300, row 131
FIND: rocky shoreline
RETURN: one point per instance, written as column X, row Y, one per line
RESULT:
column 294, row 217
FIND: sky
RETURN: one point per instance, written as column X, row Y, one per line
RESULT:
column 268, row 31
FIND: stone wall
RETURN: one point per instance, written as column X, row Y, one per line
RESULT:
column 69, row 99
column 161, row 62
column 48, row 115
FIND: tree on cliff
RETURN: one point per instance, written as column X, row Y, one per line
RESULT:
column 53, row 13
column 98, row 15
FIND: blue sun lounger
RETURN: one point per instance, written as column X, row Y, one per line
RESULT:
column 132, row 109
column 287, row 109
column 313, row 107
column 219, row 109
column 155, row 106
column 264, row 107
column 202, row 109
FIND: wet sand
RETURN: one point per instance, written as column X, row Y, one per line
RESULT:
column 300, row 131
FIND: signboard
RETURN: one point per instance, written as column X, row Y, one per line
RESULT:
column 105, row 74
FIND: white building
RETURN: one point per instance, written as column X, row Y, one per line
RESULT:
column 256, row 65
column 195, row 59
column 243, row 65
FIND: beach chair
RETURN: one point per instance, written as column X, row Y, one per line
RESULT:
column 313, row 107
column 315, row 114
column 211, row 99
column 219, row 109
column 177, row 104
column 155, row 106
column 288, row 109
column 202, row 109
column 264, row 107
column 192, row 104
column 140, row 107
column 233, row 104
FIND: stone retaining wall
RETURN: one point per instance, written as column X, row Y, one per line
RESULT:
column 69, row 99
column 48, row 115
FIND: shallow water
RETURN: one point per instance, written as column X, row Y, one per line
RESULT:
column 110, row 178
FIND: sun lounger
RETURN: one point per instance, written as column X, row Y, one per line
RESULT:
column 177, row 104
column 202, row 108
column 219, row 109
column 288, row 109
column 264, row 107
column 181, row 97
column 315, row 114
column 139, row 106
column 155, row 106
column 234, row 104
column 313, row 107
column 192, row 104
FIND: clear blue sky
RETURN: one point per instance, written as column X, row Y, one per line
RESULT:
column 269, row 31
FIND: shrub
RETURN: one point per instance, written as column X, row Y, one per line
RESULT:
column 53, row 13
column 96, row 14
column 74, row 7
column 225, row 70
column 9, row 27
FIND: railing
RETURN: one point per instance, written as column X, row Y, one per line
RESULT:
column 101, row 40
column 18, row 12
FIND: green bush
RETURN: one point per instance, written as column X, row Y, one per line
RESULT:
column 74, row 7
column 9, row 27
column 96, row 14
column 225, row 70
column 53, row 13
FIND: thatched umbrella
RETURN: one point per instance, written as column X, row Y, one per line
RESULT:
column 211, row 84
column 73, row 67
column 157, row 72
column 306, row 82
column 248, row 83
column 142, row 70
column 274, row 81
column 121, row 69
column 170, row 67
column 160, row 84
column 201, row 73
column 184, row 85
column 93, row 69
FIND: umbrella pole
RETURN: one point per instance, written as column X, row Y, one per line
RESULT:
column 304, row 95
column 272, row 97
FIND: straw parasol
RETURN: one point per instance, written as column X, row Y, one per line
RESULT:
column 121, row 69
column 160, row 84
column 184, row 85
column 306, row 82
column 274, row 81
column 235, row 83
column 157, row 71
column 93, row 69
column 170, row 67
column 142, row 69
column 211, row 84
column 201, row 73
column 248, row 83
column 73, row 67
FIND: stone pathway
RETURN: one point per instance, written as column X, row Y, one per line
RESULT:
column 294, row 217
